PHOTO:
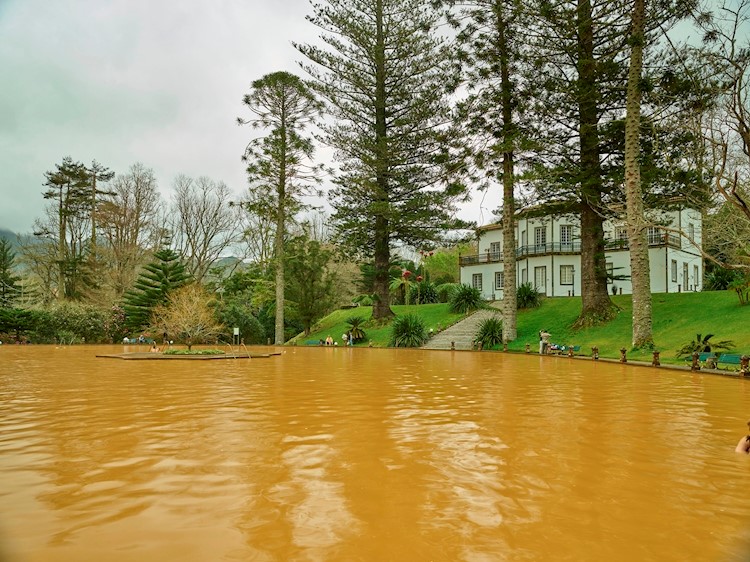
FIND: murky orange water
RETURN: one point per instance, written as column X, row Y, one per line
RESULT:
column 340, row 454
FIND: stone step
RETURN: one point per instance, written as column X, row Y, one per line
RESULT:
column 461, row 335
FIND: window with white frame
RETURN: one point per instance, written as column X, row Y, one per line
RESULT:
column 654, row 235
column 621, row 233
column 566, row 235
column 476, row 281
column 685, row 279
column 495, row 250
column 566, row 275
column 540, row 278
column 524, row 275
column 691, row 231
column 696, row 278
column 673, row 271
column 540, row 237
column 499, row 280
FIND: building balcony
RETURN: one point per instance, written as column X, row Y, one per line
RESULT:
column 523, row 251
column 657, row 240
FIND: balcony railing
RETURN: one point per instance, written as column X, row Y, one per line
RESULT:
column 654, row 240
column 556, row 248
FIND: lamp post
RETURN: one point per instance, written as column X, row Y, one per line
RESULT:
column 574, row 281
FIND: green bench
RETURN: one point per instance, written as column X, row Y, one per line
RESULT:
column 729, row 358
column 702, row 357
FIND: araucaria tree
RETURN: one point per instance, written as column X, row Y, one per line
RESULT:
column 490, row 39
column 579, row 52
column 152, row 288
column 280, row 167
column 385, row 75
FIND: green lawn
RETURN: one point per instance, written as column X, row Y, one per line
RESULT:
column 678, row 317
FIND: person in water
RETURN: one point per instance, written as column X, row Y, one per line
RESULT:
column 744, row 445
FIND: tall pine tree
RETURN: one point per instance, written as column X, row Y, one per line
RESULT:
column 490, row 36
column 384, row 74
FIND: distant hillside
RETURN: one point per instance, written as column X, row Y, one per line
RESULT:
column 16, row 239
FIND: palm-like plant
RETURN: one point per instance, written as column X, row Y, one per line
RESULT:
column 355, row 327
column 703, row 345
column 403, row 283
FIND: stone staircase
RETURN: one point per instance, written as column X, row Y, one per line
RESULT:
column 462, row 333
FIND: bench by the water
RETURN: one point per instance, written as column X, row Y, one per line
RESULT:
column 729, row 359
column 708, row 358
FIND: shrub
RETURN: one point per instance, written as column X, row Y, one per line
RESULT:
column 355, row 327
column 702, row 345
column 408, row 331
column 423, row 292
column 364, row 300
column 741, row 286
column 527, row 296
column 446, row 291
column 490, row 332
column 466, row 299
column 79, row 322
column 719, row 279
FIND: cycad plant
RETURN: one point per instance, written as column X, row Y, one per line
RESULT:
column 355, row 327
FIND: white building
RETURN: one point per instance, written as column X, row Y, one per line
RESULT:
column 548, row 255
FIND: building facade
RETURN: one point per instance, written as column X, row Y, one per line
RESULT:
column 548, row 255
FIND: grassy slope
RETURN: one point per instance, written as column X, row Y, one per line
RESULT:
column 677, row 319
column 435, row 316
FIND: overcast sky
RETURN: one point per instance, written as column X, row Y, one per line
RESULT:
column 125, row 81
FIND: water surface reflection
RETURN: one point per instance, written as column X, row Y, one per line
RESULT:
column 340, row 454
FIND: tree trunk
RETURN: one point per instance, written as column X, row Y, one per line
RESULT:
column 639, row 260
column 510, row 300
column 381, row 307
column 61, row 244
column 92, row 242
column 596, row 306
column 279, row 241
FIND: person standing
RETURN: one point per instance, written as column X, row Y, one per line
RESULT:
column 544, row 335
